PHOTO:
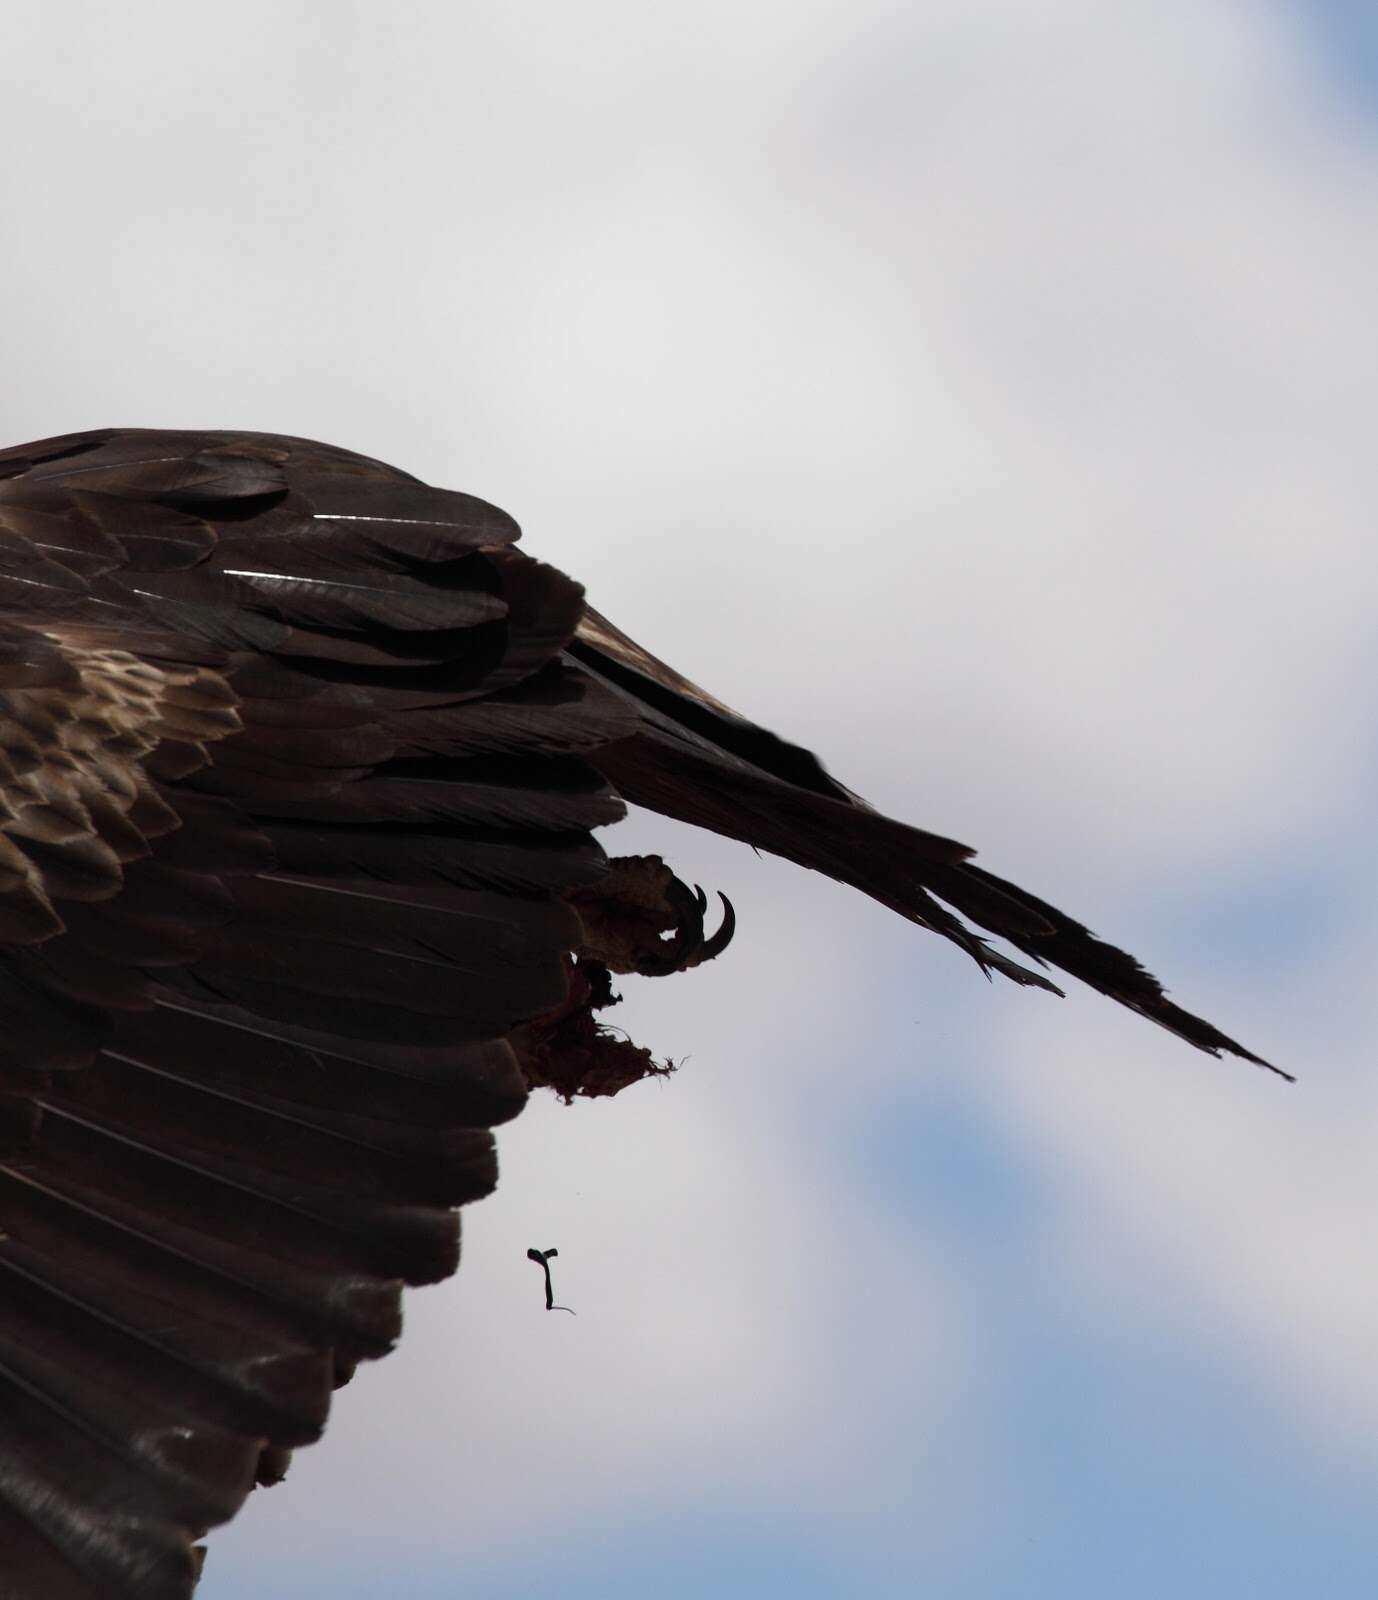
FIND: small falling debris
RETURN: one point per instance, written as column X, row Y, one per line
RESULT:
column 543, row 1256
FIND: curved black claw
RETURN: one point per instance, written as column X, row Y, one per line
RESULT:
column 641, row 918
column 674, row 954
column 721, row 939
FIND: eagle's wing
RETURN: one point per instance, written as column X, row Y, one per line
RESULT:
column 292, row 783
column 299, row 761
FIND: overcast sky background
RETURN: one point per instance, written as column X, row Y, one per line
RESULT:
column 981, row 394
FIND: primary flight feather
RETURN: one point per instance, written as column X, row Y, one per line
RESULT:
column 300, row 761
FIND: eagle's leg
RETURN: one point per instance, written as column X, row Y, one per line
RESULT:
column 640, row 919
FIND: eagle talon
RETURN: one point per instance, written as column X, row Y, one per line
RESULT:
column 720, row 940
column 626, row 919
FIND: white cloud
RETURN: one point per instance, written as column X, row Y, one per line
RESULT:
column 1246, row 1218
column 980, row 394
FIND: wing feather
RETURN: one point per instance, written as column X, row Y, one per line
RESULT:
column 289, row 800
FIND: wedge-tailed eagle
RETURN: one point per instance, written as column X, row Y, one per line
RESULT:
column 300, row 766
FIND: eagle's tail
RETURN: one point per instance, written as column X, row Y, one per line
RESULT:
column 695, row 759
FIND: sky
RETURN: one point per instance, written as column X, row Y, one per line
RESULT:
column 979, row 394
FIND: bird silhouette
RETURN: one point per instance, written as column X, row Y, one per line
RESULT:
column 300, row 766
